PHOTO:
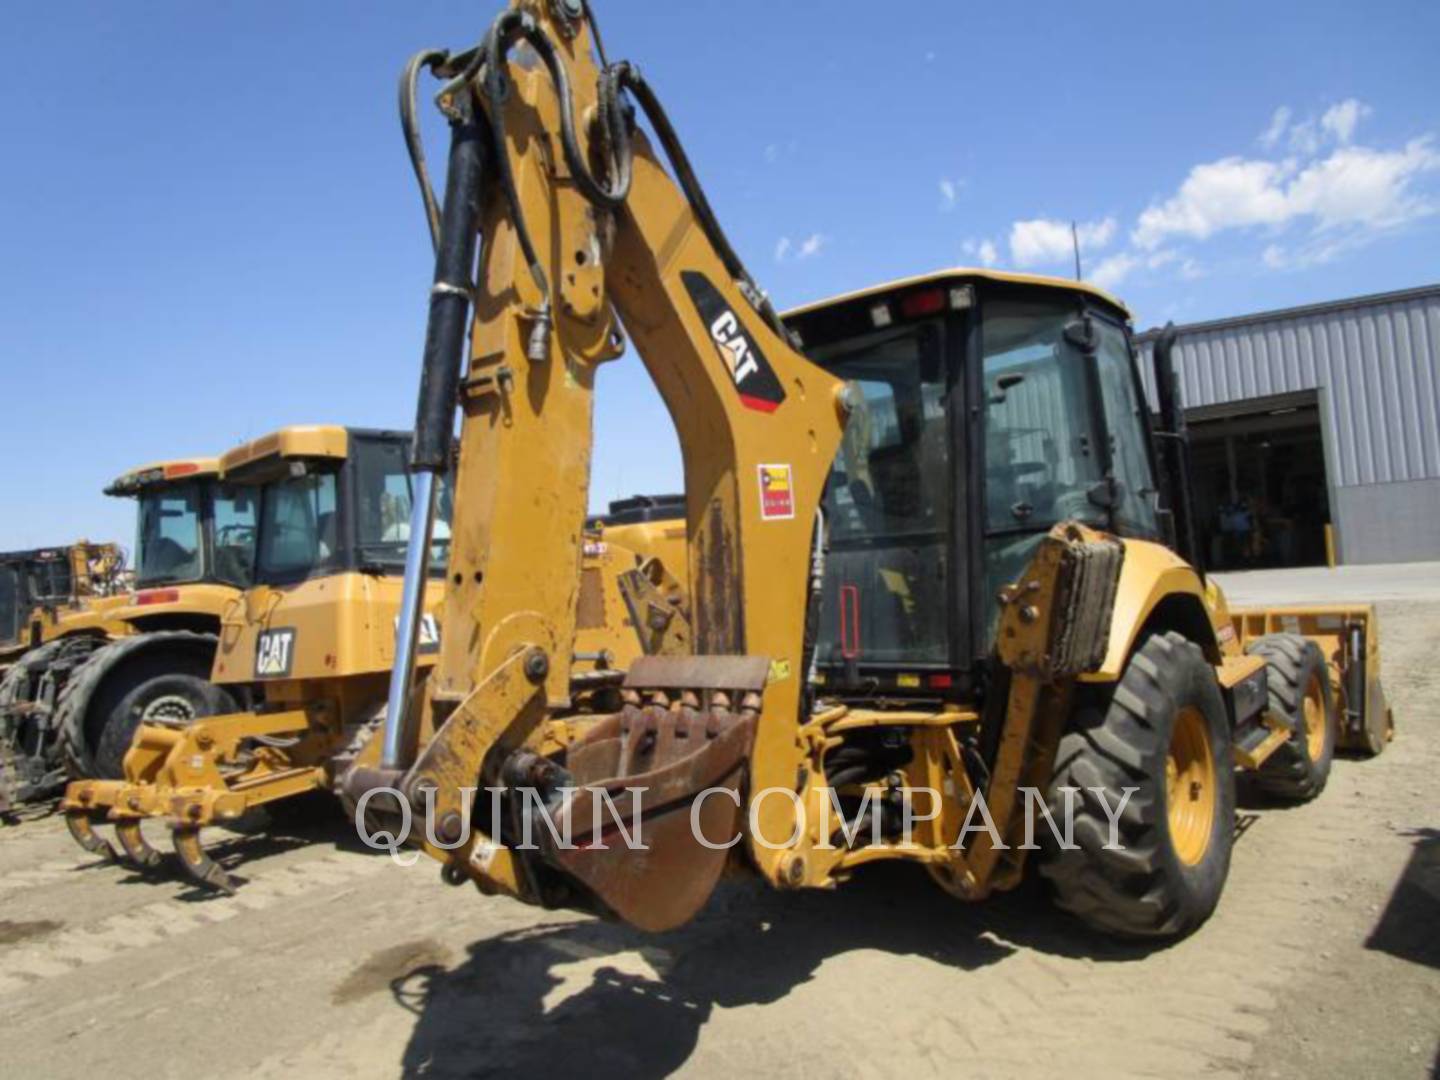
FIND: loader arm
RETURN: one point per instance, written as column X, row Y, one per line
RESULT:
column 758, row 427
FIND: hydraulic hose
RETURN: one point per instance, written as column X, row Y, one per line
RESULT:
column 626, row 76
column 414, row 143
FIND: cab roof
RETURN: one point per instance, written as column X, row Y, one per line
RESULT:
column 961, row 274
column 298, row 441
column 160, row 473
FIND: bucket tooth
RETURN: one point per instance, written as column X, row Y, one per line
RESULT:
column 79, row 824
column 138, row 851
column 204, row 870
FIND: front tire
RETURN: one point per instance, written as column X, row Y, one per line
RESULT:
column 1165, row 734
column 1299, row 694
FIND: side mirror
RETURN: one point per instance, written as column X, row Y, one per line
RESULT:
column 1004, row 384
column 1081, row 333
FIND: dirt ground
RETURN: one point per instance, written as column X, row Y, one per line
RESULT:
column 1323, row 960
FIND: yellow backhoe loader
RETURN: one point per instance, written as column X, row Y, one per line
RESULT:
column 94, row 668
column 925, row 556
column 312, row 640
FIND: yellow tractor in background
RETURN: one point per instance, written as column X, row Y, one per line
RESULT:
column 930, row 559
column 96, row 666
column 311, row 642
column 41, row 589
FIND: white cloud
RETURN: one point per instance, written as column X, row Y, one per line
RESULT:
column 1279, row 121
column 949, row 192
column 1337, row 124
column 982, row 251
column 1113, row 269
column 1305, row 138
column 786, row 249
column 1042, row 241
column 1354, row 186
column 1341, row 120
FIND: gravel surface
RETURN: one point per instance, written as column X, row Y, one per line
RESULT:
column 1323, row 960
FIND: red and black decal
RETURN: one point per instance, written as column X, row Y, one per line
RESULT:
column 753, row 376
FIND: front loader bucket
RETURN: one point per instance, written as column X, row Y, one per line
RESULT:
column 643, row 859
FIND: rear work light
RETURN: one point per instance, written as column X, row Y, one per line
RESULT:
column 929, row 302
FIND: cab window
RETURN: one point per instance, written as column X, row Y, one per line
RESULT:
column 168, row 545
column 384, row 486
column 236, row 514
column 299, row 529
column 887, row 503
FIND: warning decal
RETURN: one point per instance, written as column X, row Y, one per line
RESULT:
column 777, row 497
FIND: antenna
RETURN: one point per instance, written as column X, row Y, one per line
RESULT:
column 1075, row 241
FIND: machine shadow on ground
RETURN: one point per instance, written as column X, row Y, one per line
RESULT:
column 1408, row 926
column 489, row 1015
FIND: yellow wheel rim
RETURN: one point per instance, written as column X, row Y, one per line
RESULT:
column 1315, row 719
column 1190, row 786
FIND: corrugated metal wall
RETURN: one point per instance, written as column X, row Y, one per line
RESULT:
column 1376, row 361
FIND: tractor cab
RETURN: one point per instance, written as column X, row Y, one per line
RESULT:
column 333, row 513
column 987, row 408
column 191, row 528
column 331, row 500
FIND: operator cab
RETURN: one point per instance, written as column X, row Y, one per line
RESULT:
column 332, row 500
column 191, row 527
column 28, row 578
column 989, row 407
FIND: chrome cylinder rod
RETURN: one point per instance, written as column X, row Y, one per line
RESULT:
column 410, row 621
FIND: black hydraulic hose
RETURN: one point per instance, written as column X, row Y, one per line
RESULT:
column 503, row 33
column 496, row 44
column 626, row 76
column 450, row 295
column 414, row 143
column 615, row 131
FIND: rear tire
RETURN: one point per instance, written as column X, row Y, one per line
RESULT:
column 1299, row 693
column 1166, row 734
column 151, row 687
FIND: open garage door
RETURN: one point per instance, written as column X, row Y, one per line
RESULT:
column 1262, row 498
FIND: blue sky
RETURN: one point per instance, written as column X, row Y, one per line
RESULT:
column 208, row 227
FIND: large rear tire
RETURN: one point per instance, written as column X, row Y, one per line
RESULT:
column 1165, row 735
column 1300, row 694
column 152, row 688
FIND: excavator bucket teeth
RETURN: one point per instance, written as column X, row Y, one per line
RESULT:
column 205, row 871
column 138, row 851
column 652, row 764
column 80, row 825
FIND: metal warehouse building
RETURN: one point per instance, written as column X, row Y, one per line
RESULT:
column 1326, row 415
